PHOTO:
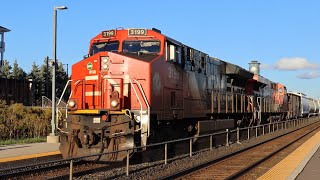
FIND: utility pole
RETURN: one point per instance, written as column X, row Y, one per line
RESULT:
column 47, row 77
column 53, row 138
column 67, row 72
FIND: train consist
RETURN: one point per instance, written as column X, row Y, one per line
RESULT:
column 138, row 86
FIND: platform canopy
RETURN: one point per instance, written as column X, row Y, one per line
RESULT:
column 3, row 29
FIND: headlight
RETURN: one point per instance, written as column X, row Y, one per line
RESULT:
column 72, row 103
column 105, row 59
column 104, row 63
column 105, row 67
column 114, row 103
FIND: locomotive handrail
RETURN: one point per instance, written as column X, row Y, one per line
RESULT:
column 147, row 103
column 75, row 84
column 64, row 90
column 137, row 96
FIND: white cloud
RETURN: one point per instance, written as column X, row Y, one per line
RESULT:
column 265, row 66
column 309, row 75
column 295, row 63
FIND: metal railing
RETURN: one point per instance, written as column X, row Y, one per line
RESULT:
column 237, row 135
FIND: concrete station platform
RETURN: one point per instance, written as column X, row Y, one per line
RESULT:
column 312, row 169
column 18, row 152
column 303, row 163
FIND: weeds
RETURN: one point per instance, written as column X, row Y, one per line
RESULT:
column 23, row 141
column 18, row 122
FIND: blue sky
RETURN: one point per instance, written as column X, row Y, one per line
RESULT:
column 282, row 35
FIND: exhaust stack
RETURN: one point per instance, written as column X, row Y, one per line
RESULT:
column 254, row 67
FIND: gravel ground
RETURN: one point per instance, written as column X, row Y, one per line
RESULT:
column 158, row 169
column 25, row 162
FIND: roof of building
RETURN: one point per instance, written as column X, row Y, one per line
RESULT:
column 3, row 29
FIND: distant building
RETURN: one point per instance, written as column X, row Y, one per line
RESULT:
column 2, row 44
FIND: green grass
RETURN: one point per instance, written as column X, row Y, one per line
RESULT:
column 23, row 141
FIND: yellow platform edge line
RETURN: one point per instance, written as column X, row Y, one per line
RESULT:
column 289, row 164
column 30, row 156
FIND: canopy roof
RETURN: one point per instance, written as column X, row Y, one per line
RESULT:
column 3, row 29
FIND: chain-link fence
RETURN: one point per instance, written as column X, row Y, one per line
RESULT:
column 47, row 103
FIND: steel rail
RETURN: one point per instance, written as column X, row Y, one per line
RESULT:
column 191, row 170
column 252, row 166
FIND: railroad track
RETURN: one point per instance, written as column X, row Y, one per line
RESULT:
column 59, row 169
column 20, row 162
column 236, row 164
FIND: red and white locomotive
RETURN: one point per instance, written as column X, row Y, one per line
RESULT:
column 138, row 86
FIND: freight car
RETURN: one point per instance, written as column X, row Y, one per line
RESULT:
column 139, row 86
column 302, row 106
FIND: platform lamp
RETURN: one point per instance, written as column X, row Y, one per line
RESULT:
column 53, row 138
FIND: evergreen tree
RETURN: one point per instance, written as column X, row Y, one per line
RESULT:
column 17, row 72
column 45, row 79
column 61, row 80
column 35, row 72
column 6, row 69
column 35, row 88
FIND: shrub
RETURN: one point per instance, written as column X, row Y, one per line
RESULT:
column 18, row 121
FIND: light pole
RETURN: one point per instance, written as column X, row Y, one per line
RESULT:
column 53, row 138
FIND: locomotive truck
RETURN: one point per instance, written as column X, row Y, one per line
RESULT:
column 138, row 86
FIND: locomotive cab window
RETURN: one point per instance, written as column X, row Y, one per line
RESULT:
column 104, row 46
column 280, row 90
column 144, row 47
column 173, row 53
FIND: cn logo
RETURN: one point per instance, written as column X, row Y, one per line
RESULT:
column 156, row 83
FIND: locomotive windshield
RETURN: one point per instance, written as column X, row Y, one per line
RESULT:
column 104, row 46
column 147, row 47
